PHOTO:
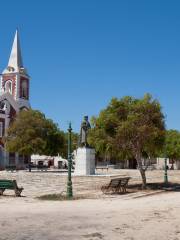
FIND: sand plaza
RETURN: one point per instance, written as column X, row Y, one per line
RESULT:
column 137, row 214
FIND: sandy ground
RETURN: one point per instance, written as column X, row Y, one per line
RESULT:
column 132, row 216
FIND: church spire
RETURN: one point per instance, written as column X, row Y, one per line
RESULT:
column 15, row 79
column 15, row 59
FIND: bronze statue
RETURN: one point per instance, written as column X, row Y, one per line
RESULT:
column 85, row 126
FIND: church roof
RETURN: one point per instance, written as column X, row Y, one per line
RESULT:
column 15, row 63
column 7, row 96
column 16, row 105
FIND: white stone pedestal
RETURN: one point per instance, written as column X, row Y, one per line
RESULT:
column 85, row 161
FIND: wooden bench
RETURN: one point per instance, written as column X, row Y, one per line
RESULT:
column 11, row 185
column 116, row 185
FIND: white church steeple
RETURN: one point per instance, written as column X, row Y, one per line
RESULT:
column 15, row 63
column 15, row 59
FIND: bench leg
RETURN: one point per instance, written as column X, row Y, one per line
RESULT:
column 124, row 189
column 115, row 190
column 104, row 189
column 18, row 192
column 1, row 191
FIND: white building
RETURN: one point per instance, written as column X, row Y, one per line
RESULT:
column 50, row 161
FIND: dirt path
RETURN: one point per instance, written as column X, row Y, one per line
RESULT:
column 134, row 216
column 153, row 217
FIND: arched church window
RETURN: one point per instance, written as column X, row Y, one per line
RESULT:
column 8, row 86
column 24, row 89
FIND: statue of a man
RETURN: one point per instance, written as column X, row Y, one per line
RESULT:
column 85, row 126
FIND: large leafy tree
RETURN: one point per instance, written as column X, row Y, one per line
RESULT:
column 129, row 127
column 31, row 133
column 172, row 144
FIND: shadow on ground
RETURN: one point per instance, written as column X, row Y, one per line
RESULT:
column 156, row 186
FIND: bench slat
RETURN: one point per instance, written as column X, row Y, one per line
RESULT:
column 6, row 184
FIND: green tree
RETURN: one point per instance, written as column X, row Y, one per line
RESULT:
column 31, row 133
column 74, row 139
column 129, row 127
column 172, row 144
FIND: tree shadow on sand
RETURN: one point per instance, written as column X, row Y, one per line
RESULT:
column 156, row 186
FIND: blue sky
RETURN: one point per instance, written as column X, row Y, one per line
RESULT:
column 80, row 54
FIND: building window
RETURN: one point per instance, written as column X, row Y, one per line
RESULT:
column 1, row 129
column 8, row 86
column 24, row 90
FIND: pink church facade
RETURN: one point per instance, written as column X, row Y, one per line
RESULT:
column 14, row 97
